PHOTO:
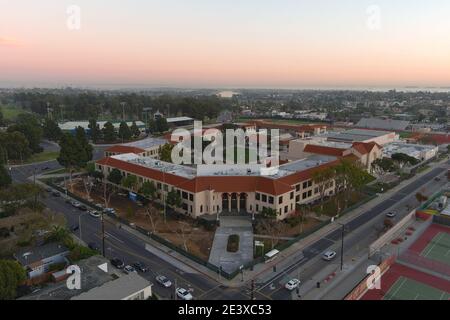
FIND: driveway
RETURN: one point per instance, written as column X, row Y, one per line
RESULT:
column 231, row 261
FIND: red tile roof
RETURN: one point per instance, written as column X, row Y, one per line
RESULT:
column 365, row 148
column 219, row 184
column 324, row 150
column 124, row 149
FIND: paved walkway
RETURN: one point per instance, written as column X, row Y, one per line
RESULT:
column 231, row 261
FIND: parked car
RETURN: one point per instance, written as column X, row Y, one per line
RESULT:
column 437, row 179
column 45, row 168
column 94, row 213
column 76, row 204
column 329, row 255
column 129, row 269
column 109, row 210
column 75, row 227
column 82, row 207
column 184, row 294
column 292, row 284
column 162, row 280
column 139, row 266
column 56, row 194
column 116, row 262
column 391, row 214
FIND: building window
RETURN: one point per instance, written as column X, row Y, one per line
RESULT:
column 309, row 193
column 264, row 198
column 184, row 195
column 158, row 185
column 271, row 200
column 305, row 195
column 201, row 209
column 297, row 198
column 297, row 187
column 292, row 195
column 280, row 200
column 191, row 197
column 286, row 209
column 257, row 208
column 305, row 184
column 258, row 196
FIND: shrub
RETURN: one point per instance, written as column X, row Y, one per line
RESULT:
column 233, row 243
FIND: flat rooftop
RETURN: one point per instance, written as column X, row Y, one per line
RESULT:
column 227, row 170
column 413, row 150
column 356, row 135
column 91, row 277
column 146, row 143
column 28, row 256
column 117, row 289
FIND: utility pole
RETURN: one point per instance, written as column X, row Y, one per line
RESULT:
column 123, row 110
column 103, row 235
column 252, row 291
column 342, row 245
column 35, row 192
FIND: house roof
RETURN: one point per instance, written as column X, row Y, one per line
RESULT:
column 325, row 150
column 118, row 289
column 365, row 148
column 30, row 256
column 186, row 178
column 124, row 149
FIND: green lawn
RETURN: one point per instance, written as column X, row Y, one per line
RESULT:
column 407, row 289
column 43, row 156
column 11, row 112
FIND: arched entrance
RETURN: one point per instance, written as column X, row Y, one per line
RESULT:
column 234, row 201
column 225, row 202
column 243, row 202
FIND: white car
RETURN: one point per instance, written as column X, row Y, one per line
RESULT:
column 129, row 269
column 184, row 294
column 162, row 280
column 94, row 213
column 292, row 284
column 329, row 255
column 391, row 214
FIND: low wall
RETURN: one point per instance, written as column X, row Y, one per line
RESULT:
column 385, row 238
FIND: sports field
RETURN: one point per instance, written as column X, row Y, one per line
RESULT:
column 408, row 289
column 438, row 248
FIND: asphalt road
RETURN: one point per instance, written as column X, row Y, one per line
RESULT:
column 360, row 232
column 124, row 245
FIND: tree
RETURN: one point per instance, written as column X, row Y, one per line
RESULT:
column 403, row 159
column 161, row 125
column 109, row 133
column 152, row 126
column 130, row 182
column 51, row 129
column 2, row 119
column 381, row 166
column 5, row 179
column 174, row 199
column 30, row 126
column 124, row 131
column 95, row 132
column 323, row 178
column 72, row 154
column 135, row 130
column 269, row 213
column 148, row 190
column 165, row 152
column 420, row 197
column 11, row 276
column 115, row 176
column 81, row 137
column 14, row 146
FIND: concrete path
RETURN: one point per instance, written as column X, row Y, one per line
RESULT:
column 231, row 261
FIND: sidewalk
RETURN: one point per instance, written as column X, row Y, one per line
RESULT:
column 292, row 254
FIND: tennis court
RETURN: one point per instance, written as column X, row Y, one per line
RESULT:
column 438, row 248
column 408, row 289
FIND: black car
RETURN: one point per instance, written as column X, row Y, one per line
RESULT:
column 116, row 262
column 75, row 227
column 82, row 208
column 56, row 194
column 139, row 266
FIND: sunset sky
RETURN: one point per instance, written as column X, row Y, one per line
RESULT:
column 227, row 43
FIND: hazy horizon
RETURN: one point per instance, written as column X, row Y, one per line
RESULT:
column 286, row 44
